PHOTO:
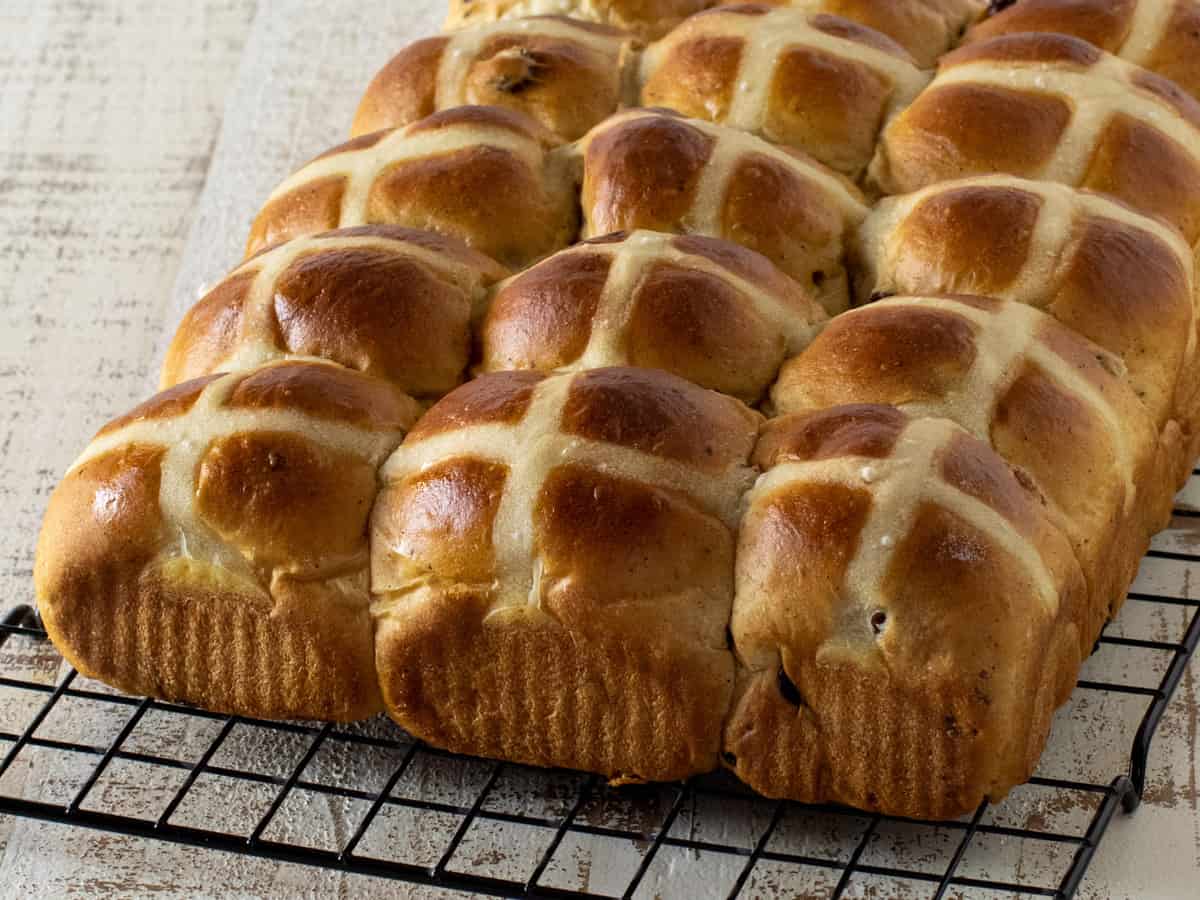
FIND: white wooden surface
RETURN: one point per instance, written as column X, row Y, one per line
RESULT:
column 136, row 140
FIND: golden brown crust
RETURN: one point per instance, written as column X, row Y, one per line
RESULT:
column 778, row 74
column 1114, row 277
column 308, row 209
column 904, row 352
column 648, row 19
column 480, row 174
column 924, row 28
column 1177, row 52
column 707, row 310
column 653, row 169
column 1168, row 45
column 211, row 548
column 310, row 325
column 1047, row 401
column 847, row 29
column 1105, row 23
column 543, row 318
column 697, row 77
column 283, row 502
column 497, row 117
column 326, row 392
column 747, row 265
column 686, row 321
column 831, row 619
column 821, row 124
column 386, row 301
column 966, row 122
column 552, row 564
column 1138, row 164
column 1051, row 107
column 643, row 174
column 404, row 90
column 502, row 398
column 861, row 429
column 167, row 404
column 447, row 513
column 208, row 334
column 561, row 73
column 410, row 191
column 976, row 236
column 657, row 414
column 451, row 676
column 1054, row 49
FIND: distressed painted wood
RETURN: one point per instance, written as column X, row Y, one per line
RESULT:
column 139, row 138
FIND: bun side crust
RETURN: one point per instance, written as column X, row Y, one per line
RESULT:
column 210, row 548
column 552, row 563
column 898, row 587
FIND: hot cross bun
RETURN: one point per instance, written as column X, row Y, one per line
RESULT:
column 553, row 569
column 654, row 169
column 388, row 301
column 907, row 616
column 820, row 83
column 705, row 309
column 211, row 545
column 566, row 74
column 478, row 173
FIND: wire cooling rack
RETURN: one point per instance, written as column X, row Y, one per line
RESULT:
column 371, row 800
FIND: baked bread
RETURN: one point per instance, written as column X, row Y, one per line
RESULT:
column 1160, row 35
column 925, row 28
column 655, row 170
column 820, row 83
column 210, row 547
column 907, row 617
column 1120, row 279
column 566, row 74
column 552, row 563
column 478, row 173
column 878, row 597
column 391, row 302
column 648, row 19
column 1055, row 108
column 1051, row 404
column 710, row 311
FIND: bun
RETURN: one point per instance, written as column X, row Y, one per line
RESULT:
column 1051, row 404
column 478, row 173
column 210, row 546
column 653, row 169
column 820, row 83
column 387, row 301
column 552, row 562
column 566, row 74
column 908, row 617
column 710, row 311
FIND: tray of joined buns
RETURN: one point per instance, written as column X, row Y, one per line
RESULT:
column 746, row 447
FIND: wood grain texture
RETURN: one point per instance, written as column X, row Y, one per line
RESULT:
column 125, row 123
